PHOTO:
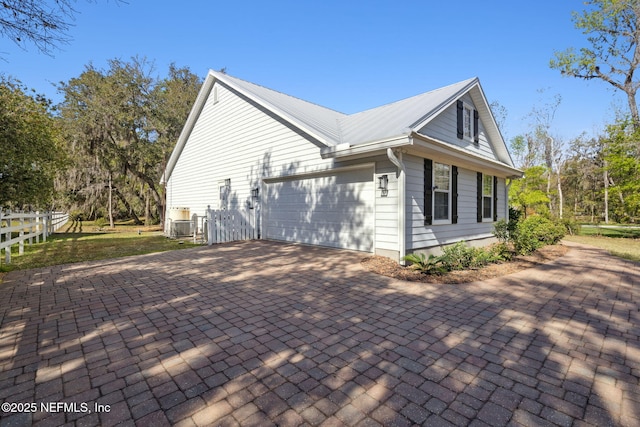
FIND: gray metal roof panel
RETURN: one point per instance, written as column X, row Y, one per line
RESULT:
column 399, row 117
column 314, row 118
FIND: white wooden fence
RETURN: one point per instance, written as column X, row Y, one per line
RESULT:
column 29, row 226
column 230, row 225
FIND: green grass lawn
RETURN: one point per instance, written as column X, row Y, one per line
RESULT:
column 70, row 247
column 632, row 232
column 619, row 241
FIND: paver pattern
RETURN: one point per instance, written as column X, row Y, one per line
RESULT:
column 263, row 333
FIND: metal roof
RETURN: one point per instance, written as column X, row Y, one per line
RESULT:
column 332, row 128
column 401, row 117
column 314, row 119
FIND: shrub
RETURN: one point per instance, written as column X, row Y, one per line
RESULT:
column 431, row 265
column 501, row 252
column 101, row 222
column 572, row 226
column 501, row 230
column 76, row 216
column 457, row 257
column 535, row 232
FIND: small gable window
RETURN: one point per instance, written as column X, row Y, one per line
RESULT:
column 468, row 122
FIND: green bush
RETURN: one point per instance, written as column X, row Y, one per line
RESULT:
column 536, row 232
column 457, row 257
column 431, row 265
column 101, row 222
column 572, row 226
column 501, row 230
column 501, row 252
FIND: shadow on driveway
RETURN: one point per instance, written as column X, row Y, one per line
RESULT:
column 260, row 333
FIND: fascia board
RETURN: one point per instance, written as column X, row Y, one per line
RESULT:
column 201, row 99
column 443, row 106
column 363, row 150
column 425, row 146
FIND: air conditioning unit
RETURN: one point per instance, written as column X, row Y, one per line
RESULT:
column 181, row 228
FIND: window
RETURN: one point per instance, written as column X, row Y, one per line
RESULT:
column 468, row 122
column 441, row 192
column 487, row 197
column 487, row 209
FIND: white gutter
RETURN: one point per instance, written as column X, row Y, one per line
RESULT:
column 345, row 149
column 402, row 250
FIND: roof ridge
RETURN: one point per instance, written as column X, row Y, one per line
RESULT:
column 466, row 82
column 277, row 91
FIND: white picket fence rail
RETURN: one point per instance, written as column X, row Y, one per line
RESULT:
column 230, row 225
column 30, row 226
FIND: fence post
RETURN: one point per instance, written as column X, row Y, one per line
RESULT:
column 7, row 237
column 210, row 223
column 21, row 234
column 37, row 227
column 45, row 226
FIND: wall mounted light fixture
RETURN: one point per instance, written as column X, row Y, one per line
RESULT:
column 383, row 185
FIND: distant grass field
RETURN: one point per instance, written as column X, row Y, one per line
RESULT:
column 77, row 243
column 621, row 241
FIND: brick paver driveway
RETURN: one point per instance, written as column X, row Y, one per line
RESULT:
column 262, row 333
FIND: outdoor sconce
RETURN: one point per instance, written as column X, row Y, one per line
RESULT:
column 227, row 182
column 383, row 185
column 254, row 198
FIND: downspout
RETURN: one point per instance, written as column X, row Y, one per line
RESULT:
column 401, row 202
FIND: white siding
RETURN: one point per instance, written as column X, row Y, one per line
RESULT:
column 387, row 207
column 443, row 128
column 234, row 139
column 420, row 236
column 333, row 210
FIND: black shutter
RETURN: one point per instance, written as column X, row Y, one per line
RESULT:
column 495, row 198
column 476, row 129
column 428, row 192
column 460, row 121
column 454, row 194
column 479, row 197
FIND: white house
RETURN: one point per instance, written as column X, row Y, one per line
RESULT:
column 413, row 175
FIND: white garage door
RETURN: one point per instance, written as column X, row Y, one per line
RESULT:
column 333, row 210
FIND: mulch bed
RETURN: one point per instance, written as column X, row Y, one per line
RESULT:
column 387, row 267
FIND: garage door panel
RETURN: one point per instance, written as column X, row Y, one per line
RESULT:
column 334, row 210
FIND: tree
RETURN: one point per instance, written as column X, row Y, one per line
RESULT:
column 622, row 170
column 527, row 193
column 583, row 176
column 43, row 23
column 30, row 154
column 614, row 53
column 123, row 122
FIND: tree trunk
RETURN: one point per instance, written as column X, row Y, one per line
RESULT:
column 633, row 108
column 110, row 207
column 560, row 197
column 606, row 194
column 147, row 209
column 137, row 220
column 549, row 190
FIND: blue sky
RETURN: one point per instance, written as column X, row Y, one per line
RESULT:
column 349, row 56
